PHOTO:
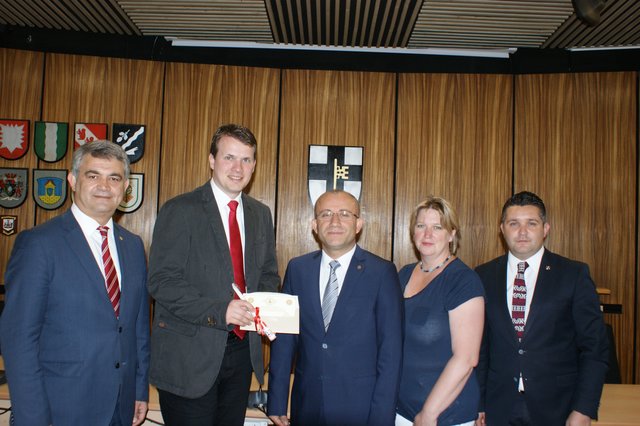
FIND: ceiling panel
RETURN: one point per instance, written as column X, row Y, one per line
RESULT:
column 475, row 24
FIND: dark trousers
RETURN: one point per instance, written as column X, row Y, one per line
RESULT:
column 225, row 404
column 520, row 413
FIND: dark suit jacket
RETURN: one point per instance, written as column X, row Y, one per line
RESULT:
column 563, row 352
column 65, row 353
column 190, row 276
column 350, row 374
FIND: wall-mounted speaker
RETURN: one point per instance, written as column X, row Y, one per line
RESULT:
column 588, row 11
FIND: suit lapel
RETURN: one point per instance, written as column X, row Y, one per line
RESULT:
column 251, row 276
column 123, row 256
column 79, row 246
column 311, row 292
column 499, row 293
column 214, row 218
column 543, row 291
column 350, row 284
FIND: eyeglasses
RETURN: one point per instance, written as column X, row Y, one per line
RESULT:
column 327, row 215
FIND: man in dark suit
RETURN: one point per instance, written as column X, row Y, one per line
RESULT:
column 544, row 354
column 347, row 359
column 200, row 362
column 75, row 339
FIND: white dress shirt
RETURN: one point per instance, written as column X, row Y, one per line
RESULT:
column 91, row 233
column 341, row 272
column 530, row 278
column 222, row 200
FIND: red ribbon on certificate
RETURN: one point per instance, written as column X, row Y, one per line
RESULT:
column 261, row 327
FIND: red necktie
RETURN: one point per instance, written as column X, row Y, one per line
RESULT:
column 519, row 300
column 111, row 277
column 235, row 247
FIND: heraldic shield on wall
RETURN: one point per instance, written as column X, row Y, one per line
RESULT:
column 334, row 167
column 49, row 188
column 134, row 193
column 88, row 132
column 9, row 224
column 14, row 138
column 13, row 187
column 50, row 140
column 131, row 138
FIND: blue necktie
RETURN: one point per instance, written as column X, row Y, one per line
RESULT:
column 330, row 296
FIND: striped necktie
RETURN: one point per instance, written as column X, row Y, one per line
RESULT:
column 330, row 296
column 111, row 277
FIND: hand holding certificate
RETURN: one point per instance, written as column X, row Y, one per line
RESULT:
column 279, row 311
column 259, row 325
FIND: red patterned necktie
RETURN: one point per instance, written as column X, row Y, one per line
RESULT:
column 519, row 300
column 235, row 247
column 111, row 277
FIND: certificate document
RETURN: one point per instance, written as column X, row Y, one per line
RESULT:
column 279, row 311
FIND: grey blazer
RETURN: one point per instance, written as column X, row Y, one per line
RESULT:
column 190, row 276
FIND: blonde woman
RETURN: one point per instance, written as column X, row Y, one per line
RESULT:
column 444, row 315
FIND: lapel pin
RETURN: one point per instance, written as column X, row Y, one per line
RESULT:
column 548, row 268
column 121, row 239
column 359, row 267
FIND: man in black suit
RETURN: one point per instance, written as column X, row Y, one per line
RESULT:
column 200, row 362
column 544, row 353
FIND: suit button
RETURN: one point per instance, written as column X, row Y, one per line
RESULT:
column 521, row 351
column 325, row 346
column 119, row 329
column 117, row 365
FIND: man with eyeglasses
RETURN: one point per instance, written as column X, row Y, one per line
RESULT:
column 349, row 350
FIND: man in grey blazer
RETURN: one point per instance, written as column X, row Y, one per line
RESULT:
column 200, row 363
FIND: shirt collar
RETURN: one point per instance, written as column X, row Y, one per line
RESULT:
column 221, row 197
column 534, row 261
column 344, row 260
column 88, row 224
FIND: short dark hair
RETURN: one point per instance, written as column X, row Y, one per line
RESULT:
column 100, row 149
column 240, row 133
column 525, row 198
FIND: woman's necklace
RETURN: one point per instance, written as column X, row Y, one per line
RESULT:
column 435, row 267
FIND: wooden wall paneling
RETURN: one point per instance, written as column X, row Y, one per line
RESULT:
column 21, row 75
column 200, row 98
column 335, row 108
column 190, row 117
column 454, row 141
column 251, row 97
column 636, row 348
column 74, row 87
column 108, row 90
column 576, row 148
column 134, row 95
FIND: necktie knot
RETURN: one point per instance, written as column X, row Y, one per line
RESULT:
column 104, row 230
column 334, row 264
column 233, row 205
column 522, row 266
